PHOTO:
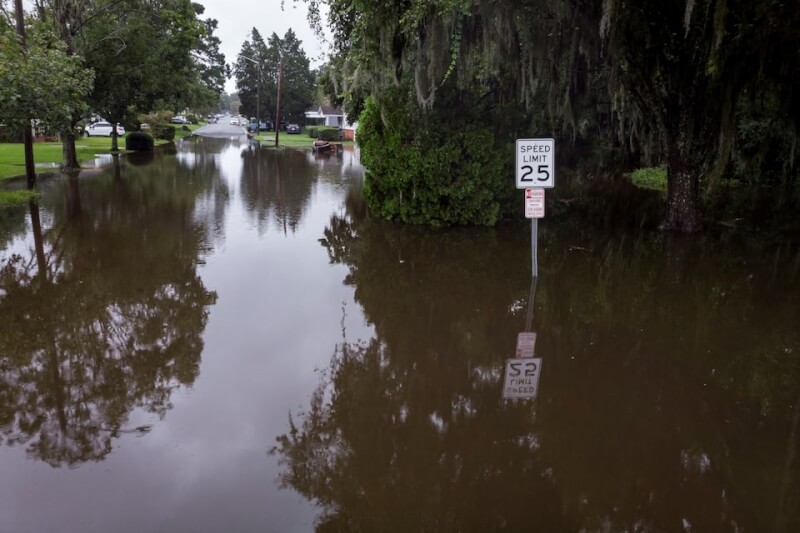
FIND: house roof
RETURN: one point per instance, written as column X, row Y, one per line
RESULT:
column 324, row 110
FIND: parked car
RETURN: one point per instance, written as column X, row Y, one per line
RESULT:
column 234, row 121
column 180, row 119
column 293, row 128
column 265, row 125
column 102, row 129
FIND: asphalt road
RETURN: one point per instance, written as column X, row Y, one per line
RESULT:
column 221, row 129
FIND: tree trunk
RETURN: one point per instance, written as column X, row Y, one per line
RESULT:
column 114, row 143
column 27, row 138
column 682, row 211
column 70, row 154
column 683, row 177
column 30, row 168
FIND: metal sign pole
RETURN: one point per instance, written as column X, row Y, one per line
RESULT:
column 535, row 247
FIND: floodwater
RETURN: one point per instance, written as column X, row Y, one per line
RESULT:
column 220, row 338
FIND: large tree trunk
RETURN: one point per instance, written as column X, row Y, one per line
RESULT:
column 683, row 214
column 70, row 154
column 27, row 136
column 683, row 176
column 114, row 142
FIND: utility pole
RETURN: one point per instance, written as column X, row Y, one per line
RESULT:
column 27, row 139
column 278, row 109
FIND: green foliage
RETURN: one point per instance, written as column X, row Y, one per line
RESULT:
column 139, row 141
column 661, row 82
column 654, row 178
column 194, row 119
column 326, row 133
column 131, row 45
column 428, row 170
column 15, row 198
column 29, row 78
column 155, row 118
column 164, row 132
column 256, row 72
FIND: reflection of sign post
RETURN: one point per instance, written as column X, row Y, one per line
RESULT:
column 534, row 203
column 526, row 342
column 522, row 378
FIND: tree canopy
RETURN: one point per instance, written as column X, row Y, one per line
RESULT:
column 677, row 84
column 27, row 77
column 256, row 72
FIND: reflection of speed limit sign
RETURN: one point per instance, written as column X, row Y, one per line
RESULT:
column 522, row 378
column 535, row 163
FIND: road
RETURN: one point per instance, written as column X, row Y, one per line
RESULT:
column 221, row 129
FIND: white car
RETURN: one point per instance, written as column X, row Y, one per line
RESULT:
column 102, row 129
column 234, row 121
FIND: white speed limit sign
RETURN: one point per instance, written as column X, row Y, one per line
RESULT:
column 536, row 166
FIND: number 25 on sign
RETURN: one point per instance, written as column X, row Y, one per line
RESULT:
column 535, row 163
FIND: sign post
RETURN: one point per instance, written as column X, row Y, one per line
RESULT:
column 535, row 172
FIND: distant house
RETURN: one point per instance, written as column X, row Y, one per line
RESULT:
column 325, row 115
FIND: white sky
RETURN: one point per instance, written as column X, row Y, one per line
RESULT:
column 237, row 17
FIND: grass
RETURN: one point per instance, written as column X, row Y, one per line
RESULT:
column 12, row 155
column 12, row 198
column 653, row 178
column 291, row 139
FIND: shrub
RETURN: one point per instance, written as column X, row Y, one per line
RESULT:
column 454, row 171
column 654, row 178
column 164, row 131
column 139, row 142
column 194, row 119
column 327, row 133
column 159, row 117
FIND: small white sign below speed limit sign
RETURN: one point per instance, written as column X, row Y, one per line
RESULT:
column 536, row 165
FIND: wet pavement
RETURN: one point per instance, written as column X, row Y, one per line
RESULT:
column 222, row 339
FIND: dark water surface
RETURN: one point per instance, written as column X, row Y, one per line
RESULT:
column 221, row 339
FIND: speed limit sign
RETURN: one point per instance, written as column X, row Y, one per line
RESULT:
column 536, row 166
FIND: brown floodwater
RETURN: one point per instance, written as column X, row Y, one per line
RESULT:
column 220, row 338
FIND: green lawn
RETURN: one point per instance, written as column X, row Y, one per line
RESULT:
column 12, row 155
column 291, row 139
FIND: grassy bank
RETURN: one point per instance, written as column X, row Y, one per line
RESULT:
column 291, row 139
column 12, row 155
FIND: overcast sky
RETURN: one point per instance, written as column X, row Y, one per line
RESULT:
column 238, row 17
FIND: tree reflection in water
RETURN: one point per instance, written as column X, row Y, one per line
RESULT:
column 667, row 401
column 105, row 314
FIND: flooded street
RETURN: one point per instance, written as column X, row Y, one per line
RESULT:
column 222, row 339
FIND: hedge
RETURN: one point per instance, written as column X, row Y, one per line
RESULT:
column 326, row 133
column 164, row 131
column 139, row 141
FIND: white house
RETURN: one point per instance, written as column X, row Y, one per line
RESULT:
column 325, row 115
